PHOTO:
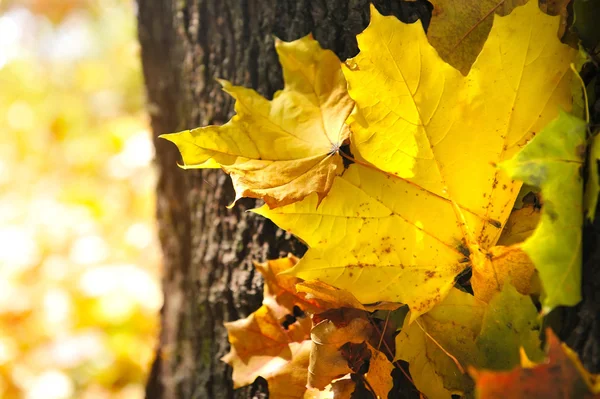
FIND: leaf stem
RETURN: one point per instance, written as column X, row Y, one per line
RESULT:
column 455, row 360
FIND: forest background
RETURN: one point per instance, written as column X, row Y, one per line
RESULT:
column 79, row 261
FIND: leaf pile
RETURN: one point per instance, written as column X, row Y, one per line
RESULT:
column 429, row 213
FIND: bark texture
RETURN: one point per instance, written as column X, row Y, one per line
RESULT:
column 208, row 249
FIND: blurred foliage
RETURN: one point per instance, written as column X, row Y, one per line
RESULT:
column 79, row 291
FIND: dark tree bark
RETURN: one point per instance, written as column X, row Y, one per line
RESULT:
column 208, row 249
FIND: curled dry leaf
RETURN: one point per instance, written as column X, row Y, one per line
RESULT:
column 333, row 298
column 343, row 388
column 285, row 149
column 273, row 342
column 327, row 360
column 289, row 382
column 261, row 346
column 282, row 287
column 379, row 374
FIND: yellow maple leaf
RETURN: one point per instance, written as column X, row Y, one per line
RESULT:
column 426, row 194
column 502, row 264
column 462, row 331
column 449, row 328
column 285, row 149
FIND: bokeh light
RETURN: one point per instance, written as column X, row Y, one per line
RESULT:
column 79, row 259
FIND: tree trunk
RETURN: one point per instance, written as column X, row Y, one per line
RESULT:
column 208, row 249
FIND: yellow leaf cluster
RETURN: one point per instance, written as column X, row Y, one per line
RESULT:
column 422, row 200
column 299, row 355
column 425, row 199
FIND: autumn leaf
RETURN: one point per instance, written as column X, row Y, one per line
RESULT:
column 400, row 224
column 331, row 297
column 289, row 382
column 553, row 162
column 360, row 240
column 510, row 322
column 440, row 343
column 560, row 376
column 343, row 388
column 267, row 343
column 328, row 359
column 462, row 331
column 520, row 225
column 459, row 29
column 281, row 288
column 500, row 265
column 285, row 149
column 379, row 374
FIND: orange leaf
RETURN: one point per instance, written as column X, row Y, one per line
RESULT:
column 327, row 359
column 559, row 377
column 273, row 341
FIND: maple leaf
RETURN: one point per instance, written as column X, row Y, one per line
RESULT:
column 462, row 331
column 400, row 224
column 281, row 288
column 560, row 376
column 458, row 29
column 327, row 360
column 285, row 149
column 552, row 162
column 510, row 322
column 343, row 388
column 379, row 374
column 289, row 382
column 520, row 225
column 266, row 343
column 502, row 264
column 451, row 327
column 331, row 297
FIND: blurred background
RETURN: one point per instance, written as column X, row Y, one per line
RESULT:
column 79, row 259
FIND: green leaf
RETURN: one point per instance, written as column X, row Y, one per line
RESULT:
column 510, row 322
column 592, row 187
column 552, row 161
